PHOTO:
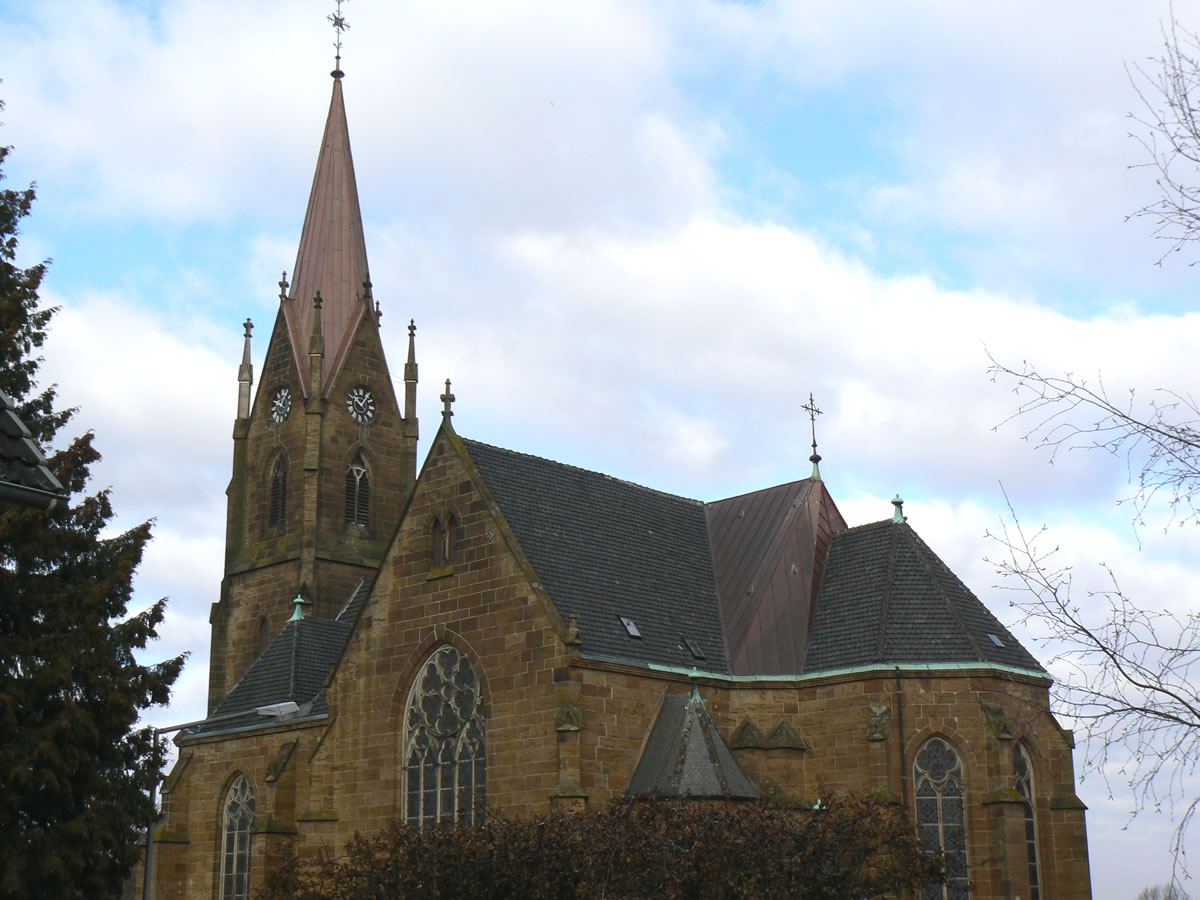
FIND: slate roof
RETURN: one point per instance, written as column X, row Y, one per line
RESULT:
column 888, row 598
column 685, row 756
column 294, row 667
column 24, row 476
column 605, row 548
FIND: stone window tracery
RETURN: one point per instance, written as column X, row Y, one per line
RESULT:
column 941, row 814
column 238, row 817
column 358, row 492
column 1023, row 782
column 444, row 748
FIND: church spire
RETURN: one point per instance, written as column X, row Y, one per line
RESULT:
column 332, row 258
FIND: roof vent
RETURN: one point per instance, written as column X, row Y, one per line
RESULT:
column 630, row 627
column 996, row 640
column 694, row 648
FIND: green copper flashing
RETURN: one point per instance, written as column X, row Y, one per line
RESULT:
column 872, row 668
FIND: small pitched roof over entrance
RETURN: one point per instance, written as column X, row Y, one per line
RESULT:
column 685, row 756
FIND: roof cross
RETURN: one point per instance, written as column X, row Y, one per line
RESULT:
column 813, row 412
column 283, row 286
column 340, row 25
column 248, row 325
column 447, row 398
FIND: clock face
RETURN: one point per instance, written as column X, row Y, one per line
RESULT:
column 281, row 404
column 360, row 403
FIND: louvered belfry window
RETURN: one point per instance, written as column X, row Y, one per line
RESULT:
column 279, row 473
column 1023, row 777
column 238, row 817
column 941, row 815
column 358, row 492
column 445, row 770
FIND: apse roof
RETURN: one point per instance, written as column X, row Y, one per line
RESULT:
column 888, row 598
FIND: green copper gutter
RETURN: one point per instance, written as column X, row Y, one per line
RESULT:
column 880, row 669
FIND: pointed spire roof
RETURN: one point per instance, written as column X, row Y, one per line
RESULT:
column 332, row 257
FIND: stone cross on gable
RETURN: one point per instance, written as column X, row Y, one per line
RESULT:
column 283, row 286
column 447, row 398
column 248, row 325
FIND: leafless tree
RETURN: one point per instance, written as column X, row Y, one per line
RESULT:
column 1127, row 671
column 1168, row 127
column 1163, row 892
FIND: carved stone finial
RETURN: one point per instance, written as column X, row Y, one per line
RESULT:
column 447, row 399
column 283, row 286
column 248, row 325
column 317, row 301
column 573, row 638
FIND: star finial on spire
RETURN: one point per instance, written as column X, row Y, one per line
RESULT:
column 813, row 412
column 283, row 286
column 340, row 25
column 447, row 398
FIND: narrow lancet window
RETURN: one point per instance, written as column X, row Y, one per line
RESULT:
column 1023, row 782
column 235, row 845
column 279, row 473
column 941, row 815
column 358, row 493
column 445, row 770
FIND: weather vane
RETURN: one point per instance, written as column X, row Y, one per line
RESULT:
column 813, row 412
column 340, row 25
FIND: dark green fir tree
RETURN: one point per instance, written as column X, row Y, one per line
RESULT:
column 75, row 770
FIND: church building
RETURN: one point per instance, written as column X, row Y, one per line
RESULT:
column 485, row 630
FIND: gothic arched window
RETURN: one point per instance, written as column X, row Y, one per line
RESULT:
column 941, row 814
column 279, row 472
column 445, row 764
column 235, row 846
column 1023, row 782
column 358, row 492
column 443, row 540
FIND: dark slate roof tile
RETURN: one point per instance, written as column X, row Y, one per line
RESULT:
column 887, row 598
column 686, row 756
column 24, row 476
column 606, row 548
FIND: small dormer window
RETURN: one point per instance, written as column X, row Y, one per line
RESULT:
column 630, row 628
column 995, row 640
column 693, row 648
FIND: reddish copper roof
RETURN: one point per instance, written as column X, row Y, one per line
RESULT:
column 769, row 551
column 332, row 257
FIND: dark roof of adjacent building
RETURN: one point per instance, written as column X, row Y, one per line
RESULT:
column 685, row 756
column 24, row 476
column 888, row 598
column 606, row 549
column 294, row 667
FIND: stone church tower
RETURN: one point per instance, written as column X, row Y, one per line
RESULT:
column 324, row 457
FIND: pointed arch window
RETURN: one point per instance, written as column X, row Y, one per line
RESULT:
column 238, row 817
column 941, row 814
column 1023, row 782
column 278, row 507
column 445, row 768
column 358, row 492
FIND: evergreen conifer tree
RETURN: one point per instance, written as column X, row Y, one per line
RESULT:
column 75, row 772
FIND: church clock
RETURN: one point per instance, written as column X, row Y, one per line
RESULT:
column 360, row 403
column 281, row 404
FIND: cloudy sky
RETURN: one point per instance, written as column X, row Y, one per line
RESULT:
column 636, row 236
